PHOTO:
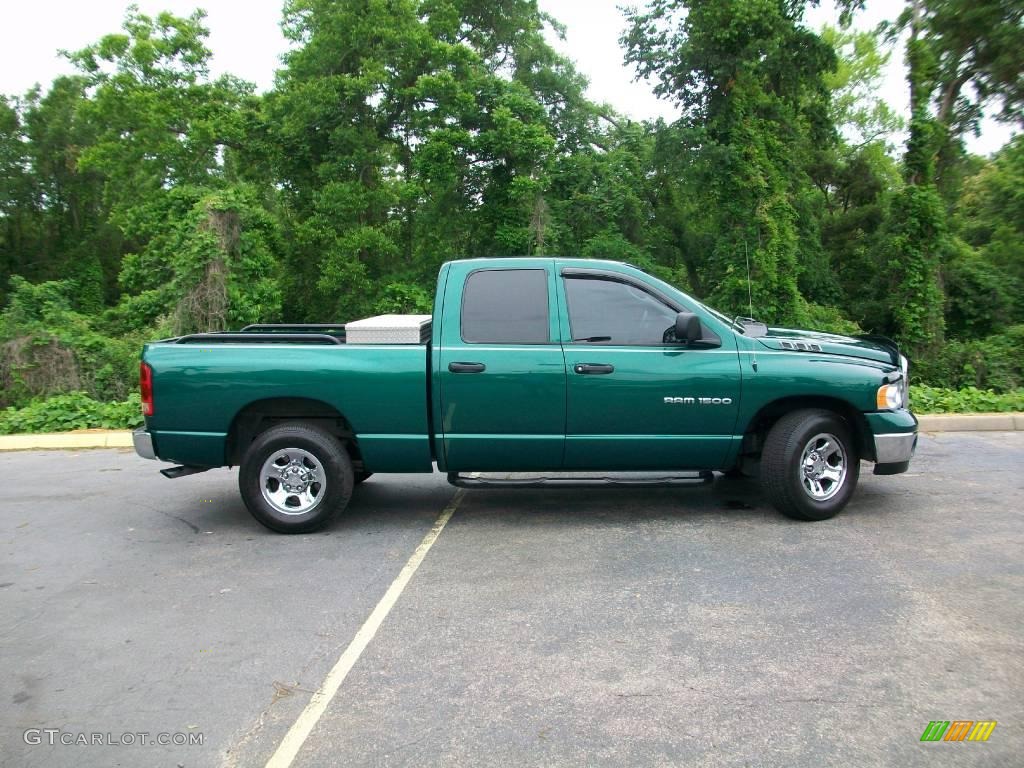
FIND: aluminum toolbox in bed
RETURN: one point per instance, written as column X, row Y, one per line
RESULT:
column 389, row 329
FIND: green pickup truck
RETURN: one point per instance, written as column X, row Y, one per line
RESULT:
column 529, row 365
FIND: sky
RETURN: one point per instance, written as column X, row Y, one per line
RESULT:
column 248, row 43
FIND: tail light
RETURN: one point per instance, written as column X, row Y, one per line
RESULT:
column 146, row 388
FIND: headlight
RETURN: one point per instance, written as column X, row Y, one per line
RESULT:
column 889, row 397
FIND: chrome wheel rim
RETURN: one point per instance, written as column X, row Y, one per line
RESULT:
column 823, row 467
column 293, row 481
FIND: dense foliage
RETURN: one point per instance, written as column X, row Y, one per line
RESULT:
column 142, row 198
column 73, row 410
column 925, row 399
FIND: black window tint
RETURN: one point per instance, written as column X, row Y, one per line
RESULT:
column 616, row 313
column 506, row 306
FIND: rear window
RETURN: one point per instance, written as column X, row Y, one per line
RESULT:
column 505, row 306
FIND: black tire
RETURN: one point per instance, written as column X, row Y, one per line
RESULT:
column 319, row 447
column 782, row 473
column 362, row 476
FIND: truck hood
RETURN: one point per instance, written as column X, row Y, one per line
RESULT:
column 866, row 347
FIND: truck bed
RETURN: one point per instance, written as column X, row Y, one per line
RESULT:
column 202, row 383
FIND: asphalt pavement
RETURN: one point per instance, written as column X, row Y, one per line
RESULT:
column 682, row 626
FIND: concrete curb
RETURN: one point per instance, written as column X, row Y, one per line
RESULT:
column 971, row 422
column 65, row 440
column 939, row 422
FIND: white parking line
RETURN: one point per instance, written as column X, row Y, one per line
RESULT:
column 301, row 728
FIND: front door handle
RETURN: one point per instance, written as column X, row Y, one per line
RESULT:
column 467, row 367
column 593, row 368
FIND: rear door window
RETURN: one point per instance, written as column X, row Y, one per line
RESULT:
column 506, row 306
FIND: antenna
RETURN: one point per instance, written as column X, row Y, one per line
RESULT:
column 750, row 303
column 750, row 291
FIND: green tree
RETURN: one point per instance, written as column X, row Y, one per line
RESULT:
column 54, row 222
column 202, row 254
column 966, row 64
column 18, row 201
column 985, row 277
column 915, row 235
column 854, row 178
column 412, row 132
column 860, row 115
column 750, row 78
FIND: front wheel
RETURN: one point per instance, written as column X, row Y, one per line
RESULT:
column 809, row 465
column 295, row 478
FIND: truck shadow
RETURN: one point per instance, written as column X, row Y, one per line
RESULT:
column 727, row 500
column 397, row 502
column 388, row 502
column 732, row 498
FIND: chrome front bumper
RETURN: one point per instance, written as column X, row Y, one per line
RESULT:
column 895, row 448
column 143, row 442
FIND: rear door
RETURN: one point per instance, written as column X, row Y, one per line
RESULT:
column 637, row 398
column 501, row 368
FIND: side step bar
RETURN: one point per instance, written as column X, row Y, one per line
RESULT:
column 174, row 472
column 684, row 479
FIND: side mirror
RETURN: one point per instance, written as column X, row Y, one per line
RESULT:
column 688, row 327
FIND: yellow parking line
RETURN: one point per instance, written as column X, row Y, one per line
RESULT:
column 303, row 726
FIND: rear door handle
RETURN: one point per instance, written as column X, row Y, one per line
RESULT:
column 467, row 367
column 593, row 368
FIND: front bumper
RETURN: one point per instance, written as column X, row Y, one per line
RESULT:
column 143, row 442
column 895, row 448
column 894, row 436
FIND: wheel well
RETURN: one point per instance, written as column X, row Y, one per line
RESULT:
column 756, row 432
column 261, row 415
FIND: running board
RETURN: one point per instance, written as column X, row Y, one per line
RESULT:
column 174, row 472
column 686, row 479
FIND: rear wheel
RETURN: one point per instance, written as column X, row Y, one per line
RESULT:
column 809, row 465
column 296, row 478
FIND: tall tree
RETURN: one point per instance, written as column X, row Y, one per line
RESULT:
column 18, row 201
column 57, row 222
column 853, row 178
column 967, row 64
column 915, row 236
column 985, row 277
column 750, row 78
column 164, row 129
column 411, row 132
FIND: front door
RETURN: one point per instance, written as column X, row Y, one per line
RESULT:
column 501, row 369
column 636, row 398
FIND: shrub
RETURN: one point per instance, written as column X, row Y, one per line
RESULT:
column 403, row 298
column 925, row 399
column 74, row 410
column 46, row 348
column 829, row 319
column 994, row 362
